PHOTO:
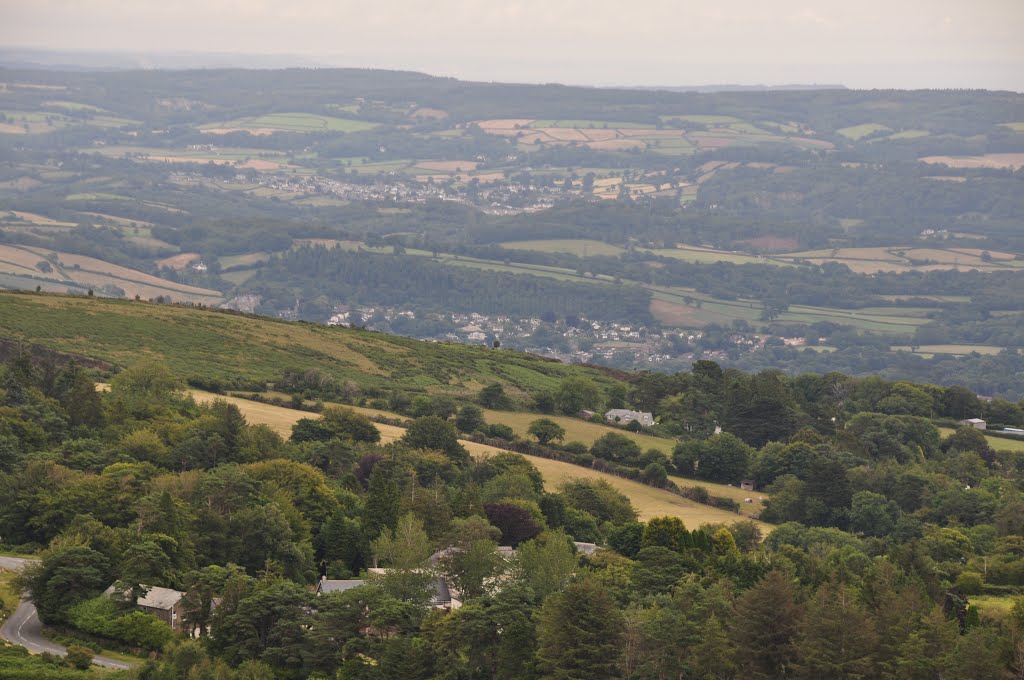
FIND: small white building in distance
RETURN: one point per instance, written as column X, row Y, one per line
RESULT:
column 624, row 416
column 976, row 423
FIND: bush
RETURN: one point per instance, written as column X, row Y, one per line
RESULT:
column 142, row 630
column 79, row 657
column 500, row 431
column 100, row 616
column 969, row 583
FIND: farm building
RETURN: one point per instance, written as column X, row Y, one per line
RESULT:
column 747, row 484
column 164, row 603
column 976, row 423
column 326, row 585
column 624, row 416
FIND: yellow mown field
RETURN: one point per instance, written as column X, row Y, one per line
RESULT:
column 648, row 501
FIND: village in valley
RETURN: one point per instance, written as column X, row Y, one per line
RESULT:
column 574, row 340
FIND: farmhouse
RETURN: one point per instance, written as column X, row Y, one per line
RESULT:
column 624, row 416
column 164, row 603
column 976, row 423
column 326, row 585
column 440, row 598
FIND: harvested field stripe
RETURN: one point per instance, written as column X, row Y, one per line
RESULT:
column 649, row 501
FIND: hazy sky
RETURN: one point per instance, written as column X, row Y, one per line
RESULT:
column 860, row 43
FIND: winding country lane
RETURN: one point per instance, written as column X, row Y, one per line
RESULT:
column 23, row 628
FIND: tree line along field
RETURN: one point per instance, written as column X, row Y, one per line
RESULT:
column 576, row 430
column 863, row 260
column 674, row 306
column 57, row 271
column 649, row 501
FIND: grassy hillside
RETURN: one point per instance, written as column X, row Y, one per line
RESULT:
column 649, row 501
column 208, row 344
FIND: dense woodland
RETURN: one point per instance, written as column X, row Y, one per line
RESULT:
column 316, row 276
column 887, row 533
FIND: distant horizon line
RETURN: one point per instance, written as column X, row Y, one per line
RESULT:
column 126, row 59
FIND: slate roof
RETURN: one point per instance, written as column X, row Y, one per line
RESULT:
column 156, row 597
column 338, row 585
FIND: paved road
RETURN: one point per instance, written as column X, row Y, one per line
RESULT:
column 24, row 628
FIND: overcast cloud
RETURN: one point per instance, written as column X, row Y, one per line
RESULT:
column 865, row 43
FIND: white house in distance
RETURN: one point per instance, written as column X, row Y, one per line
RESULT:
column 623, row 416
column 976, row 423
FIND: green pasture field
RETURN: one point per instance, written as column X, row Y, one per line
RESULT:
column 579, row 247
column 933, row 298
column 856, row 132
column 239, row 277
column 994, row 606
column 997, row 443
column 703, row 255
column 909, row 134
column 18, row 117
column 245, row 260
column 780, row 127
column 294, row 122
column 74, row 106
column 918, row 312
column 210, row 344
column 95, row 196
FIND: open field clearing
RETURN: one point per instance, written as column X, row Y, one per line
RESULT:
column 903, row 259
column 122, row 221
column 179, row 261
column 997, row 443
column 909, row 134
column 752, row 509
column 993, row 606
column 989, row 160
column 219, row 345
column 448, row 166
column 81, row 263
column 579, row 247
column 31, row 122
column 89, row 272
column 701, row 119
column 856, row 132
column 74, row 106
column 705, row 255
column 619, row 136
column 576, row 429
column 771, row 243
column 649, row 501
column 39, row 220
column 287, row 122
column 1016, row 127
column 245, row 260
